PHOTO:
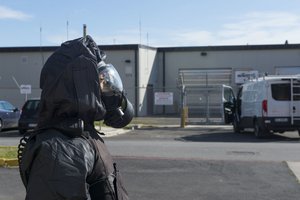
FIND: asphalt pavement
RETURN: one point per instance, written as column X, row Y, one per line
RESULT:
column 161, row 122
column 161, row 161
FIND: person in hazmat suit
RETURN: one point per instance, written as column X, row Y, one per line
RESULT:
column 65, row 156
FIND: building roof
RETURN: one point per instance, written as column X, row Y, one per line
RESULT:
column 53, row 48
column 161, row 49
column 231, row 47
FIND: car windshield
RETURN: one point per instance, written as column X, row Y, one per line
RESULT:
column 6, row 106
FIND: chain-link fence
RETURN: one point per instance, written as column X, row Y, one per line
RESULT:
column 203, row 104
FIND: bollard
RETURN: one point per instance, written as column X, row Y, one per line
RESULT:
column 184, row 116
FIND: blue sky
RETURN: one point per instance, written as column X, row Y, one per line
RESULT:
column 155, row 23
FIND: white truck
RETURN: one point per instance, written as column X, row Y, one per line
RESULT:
column 268, row 104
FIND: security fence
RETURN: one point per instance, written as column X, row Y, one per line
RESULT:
column 202, row 94
column 204, row 104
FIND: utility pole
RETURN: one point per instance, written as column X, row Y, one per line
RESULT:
column 84, row 31
column 67, row 30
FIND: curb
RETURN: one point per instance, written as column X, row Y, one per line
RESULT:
column 295, row 168
column 110, row 132
column 8, row 162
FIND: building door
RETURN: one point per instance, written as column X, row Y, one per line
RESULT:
column 150, row 101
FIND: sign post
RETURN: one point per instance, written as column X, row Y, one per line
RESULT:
column 25, row 89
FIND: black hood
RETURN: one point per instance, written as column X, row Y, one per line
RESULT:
column 70, row 84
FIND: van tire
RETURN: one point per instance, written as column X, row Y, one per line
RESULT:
column 260, row 132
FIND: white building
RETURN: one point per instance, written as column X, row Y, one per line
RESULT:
column 146, row 70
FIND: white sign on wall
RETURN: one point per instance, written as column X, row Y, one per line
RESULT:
column 25, row 89
column 163, row 98
column 243, row 76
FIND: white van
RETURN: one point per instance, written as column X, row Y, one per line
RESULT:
column 268, row 104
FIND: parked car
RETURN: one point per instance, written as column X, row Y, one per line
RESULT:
column 9, row 115
column 268, row 104
column 29, row 115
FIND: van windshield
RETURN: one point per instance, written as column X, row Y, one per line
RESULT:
column 282, row 92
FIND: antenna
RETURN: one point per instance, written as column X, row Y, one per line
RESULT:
column 41, row 35
column 84, row 31
column 41, row 50
column 140, row 30
column 147, row 39
column 67, row 30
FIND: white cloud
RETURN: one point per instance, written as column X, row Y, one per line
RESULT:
column 253, row 28
column 7, row 13
column 261, row 28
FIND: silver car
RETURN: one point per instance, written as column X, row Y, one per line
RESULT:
column 9, row 115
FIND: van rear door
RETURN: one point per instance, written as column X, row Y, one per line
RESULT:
column 285, row 99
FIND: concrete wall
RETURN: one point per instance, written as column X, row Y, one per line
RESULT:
column 17, row 69
column 125, row 63
column 148, row 71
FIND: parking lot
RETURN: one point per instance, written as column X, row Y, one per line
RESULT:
column 164, row 161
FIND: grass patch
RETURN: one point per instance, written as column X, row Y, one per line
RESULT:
column 8, row 152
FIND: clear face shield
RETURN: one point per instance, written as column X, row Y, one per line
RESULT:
column 110, row 81
column 118, row 107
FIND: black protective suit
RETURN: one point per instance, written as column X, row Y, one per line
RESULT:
column 65, row 158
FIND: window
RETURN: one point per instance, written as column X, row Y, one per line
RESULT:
column 282, row 92
column 228, row 94
column 32, row 105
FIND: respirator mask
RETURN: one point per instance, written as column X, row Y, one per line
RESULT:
column 119, row 110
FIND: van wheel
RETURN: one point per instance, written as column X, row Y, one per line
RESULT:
column 260, row 132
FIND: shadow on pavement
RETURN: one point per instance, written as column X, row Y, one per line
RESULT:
column 209, row 134
column 246, row 137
